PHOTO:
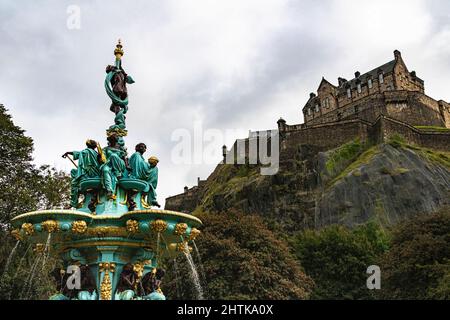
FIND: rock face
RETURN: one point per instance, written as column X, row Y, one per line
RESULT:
column 395, row 183
column 349, row 185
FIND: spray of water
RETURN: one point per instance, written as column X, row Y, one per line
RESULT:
column 199, row 259
column 21, row 261
column 193, row 273
column 175, row 266
column 8, row 262
column 46, row 253
column 29, row 281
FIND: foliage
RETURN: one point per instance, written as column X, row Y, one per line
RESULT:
column 337, row 259
column 342, row 155
column 436, row 156
column 24, row 188
column 433, row 128
column 418, row 264
column 362, row 159
column 242, row 259
column 19, row 282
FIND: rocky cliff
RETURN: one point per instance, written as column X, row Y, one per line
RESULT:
column 349, row 185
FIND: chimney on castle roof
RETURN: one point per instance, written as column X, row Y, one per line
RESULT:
column 341, row 81
column 312, row 95
column 357, row 74
column 413, row 74
column 397, row 54
column 186, row 189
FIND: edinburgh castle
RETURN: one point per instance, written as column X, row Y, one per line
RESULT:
column 373, row 107
column 390, row 89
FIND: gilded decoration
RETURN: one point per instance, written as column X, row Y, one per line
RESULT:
column 194, row 234
column 50, row 226
column 180, row 229
column 107, row 231
column 106, row 286
column 16, row 234
column 159, row 225
column 132, row 226
column 28, row 228
column 79, row 227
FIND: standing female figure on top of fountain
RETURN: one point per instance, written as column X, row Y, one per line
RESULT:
column 116, row 81
column 115, row 166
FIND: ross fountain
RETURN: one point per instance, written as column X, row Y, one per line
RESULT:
column 112, row 232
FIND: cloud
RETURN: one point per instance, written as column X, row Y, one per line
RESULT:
column 231, row 64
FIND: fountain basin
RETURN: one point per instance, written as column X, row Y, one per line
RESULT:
column 140, row 237
column 135, row 225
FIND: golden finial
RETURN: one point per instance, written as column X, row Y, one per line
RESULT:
column 118, row 52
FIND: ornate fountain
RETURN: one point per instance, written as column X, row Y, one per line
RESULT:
column 111, row 233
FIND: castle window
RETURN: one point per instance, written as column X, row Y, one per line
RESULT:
column 381, row 78
column 359, row 87
column 356, row 109
column 309, row 112
column 370, row 83
column 317, row 108
column 326, row 102
column 349, row 93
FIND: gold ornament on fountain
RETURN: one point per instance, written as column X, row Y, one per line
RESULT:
column 183, row 247
column 79, row 226
column 194, row 234
column 180, row 229
column 28, row 228
column 118, row 52
column 50, row 226
column 138, row 267
column 159, row 225
column 132, row 226
column 16, row 234
column 39, row 248
column 106, row 286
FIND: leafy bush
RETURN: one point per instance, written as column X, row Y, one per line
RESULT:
column 242, row 259
column 418, row 264
column 337, row 259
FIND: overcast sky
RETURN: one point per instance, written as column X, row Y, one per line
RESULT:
column 229, row 64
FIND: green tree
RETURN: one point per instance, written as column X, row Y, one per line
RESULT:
column 241, row 259
column 337, row 259
column 418, row 264
column 24, row 188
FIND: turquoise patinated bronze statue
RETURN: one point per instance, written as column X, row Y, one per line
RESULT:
column 89, row 162
column 113, row 234
column 146, row 171
column 115, row 166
